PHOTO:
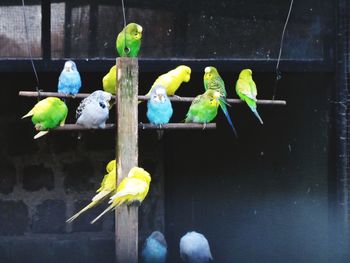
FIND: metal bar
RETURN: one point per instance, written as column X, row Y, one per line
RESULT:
column 46, row 29
column 143, row 126
column 165, row 64
column 143, row 98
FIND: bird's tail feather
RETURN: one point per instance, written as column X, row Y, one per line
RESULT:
column 224, row 109
column 40, row 134
column 160, row 134
column 104, row 212
column 30, row 113
column 71, row 219
column 257, row 114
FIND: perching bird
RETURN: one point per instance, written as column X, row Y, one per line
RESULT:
column 93, row 111
column 213, row 81
column 172, row 80
column 159, row 109
column 194, row 248
column 48, row 114
column 109, row 81
column 246, row 91
column 132, row 189
column 107, row 188
column 129, row 40
column 204, row 107
column 154, row 249
column 69, row 81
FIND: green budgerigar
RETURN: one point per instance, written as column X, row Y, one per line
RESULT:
column 47, row 114
column 109, row 81
column 213, row 81
column 107, row 188
column 129, row 40
column 204, row 107
column 246, row 91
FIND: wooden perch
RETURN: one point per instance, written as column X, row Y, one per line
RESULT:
column 143, row 126
column 144, row 98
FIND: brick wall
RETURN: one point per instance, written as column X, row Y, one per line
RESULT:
column 44, row 182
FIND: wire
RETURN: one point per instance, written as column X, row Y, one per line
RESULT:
column 278, row 72
column 29, row 47
column 126, row 49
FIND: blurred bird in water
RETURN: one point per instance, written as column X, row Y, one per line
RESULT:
column 154, row 249
column 194, row 248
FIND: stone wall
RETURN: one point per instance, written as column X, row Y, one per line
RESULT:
column 43, row 182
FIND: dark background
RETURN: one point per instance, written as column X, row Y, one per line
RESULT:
column 278, row 193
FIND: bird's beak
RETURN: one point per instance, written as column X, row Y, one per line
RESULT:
column 161, row 98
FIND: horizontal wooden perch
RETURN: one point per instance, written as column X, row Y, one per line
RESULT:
column 143, row 98
column 144, row 126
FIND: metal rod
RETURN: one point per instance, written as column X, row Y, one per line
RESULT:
column 143, row 126
column 144, row 98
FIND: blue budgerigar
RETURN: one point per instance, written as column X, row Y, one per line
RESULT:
column 93, row 111
column 154, row 249
column 69, row 81
column 194, row 248
column 159, row 109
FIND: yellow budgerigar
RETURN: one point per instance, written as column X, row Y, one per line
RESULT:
column 132, row 188
column 172, row 80
column 108, row 186
column 109, row 81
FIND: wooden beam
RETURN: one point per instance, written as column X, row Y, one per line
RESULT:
column 143, row 126
column 145, row 98
column 126, row 218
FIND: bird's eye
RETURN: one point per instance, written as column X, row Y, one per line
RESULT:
column 102, row 105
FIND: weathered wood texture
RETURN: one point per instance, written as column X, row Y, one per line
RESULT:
column 126, row 218
column 143, row 126
column 145, row 98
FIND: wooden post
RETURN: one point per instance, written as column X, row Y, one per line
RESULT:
column 126, row 218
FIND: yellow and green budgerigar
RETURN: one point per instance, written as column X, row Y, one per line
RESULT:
column 246, row 90
column 47, row 114
column 213, row 81
column 128, row 42
column 107, row 188
column 204, row 107
column 172, row 80
column 109, row 81
column 132, row 189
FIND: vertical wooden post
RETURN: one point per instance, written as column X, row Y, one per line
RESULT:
column 126, row 218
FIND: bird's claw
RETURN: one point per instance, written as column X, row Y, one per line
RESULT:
column 177, row 96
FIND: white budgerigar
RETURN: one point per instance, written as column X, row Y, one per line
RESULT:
column 194, row 248
column 93, row 111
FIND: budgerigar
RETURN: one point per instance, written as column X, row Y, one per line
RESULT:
column 107, row 188
column 155, row 249
column 109, row 81
column 246, row 90
column 172, row 80
column 212, row 80
column 204, row 107
column 194, row 248
column 159, row 109
column 48, row 114
column 129, row 40
column 132, row 188
column 69, row 81
column 93, row 111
